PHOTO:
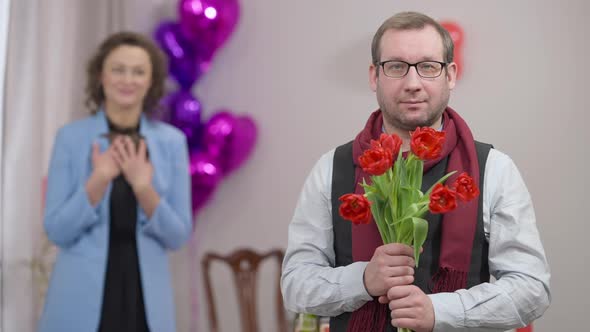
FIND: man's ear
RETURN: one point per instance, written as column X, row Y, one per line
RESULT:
column 373, row 76
column 451, row 74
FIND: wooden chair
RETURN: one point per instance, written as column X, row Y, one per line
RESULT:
column 244, row 264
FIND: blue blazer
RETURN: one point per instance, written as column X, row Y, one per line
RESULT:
column 81, row 231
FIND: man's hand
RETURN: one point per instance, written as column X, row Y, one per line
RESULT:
column 411, row 308
column 391, row 265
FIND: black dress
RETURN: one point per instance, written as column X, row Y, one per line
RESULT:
column 122, row 306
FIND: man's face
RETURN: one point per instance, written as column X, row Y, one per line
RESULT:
column 412, row 101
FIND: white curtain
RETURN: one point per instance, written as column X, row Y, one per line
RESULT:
column 4, row 14
column 49, row 43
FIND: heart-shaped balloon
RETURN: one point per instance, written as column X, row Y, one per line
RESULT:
column 229, row 139
column 208, row 23
column 205, row 175
column 185, row 114
column 186, row 61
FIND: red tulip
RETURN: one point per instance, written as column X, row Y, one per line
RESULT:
column 391, row 143
column 442, row 199
column 376, row 161
column 355, row 208
column 427, row 143
column 465, row 187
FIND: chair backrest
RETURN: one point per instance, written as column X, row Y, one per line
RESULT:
column 244, row 264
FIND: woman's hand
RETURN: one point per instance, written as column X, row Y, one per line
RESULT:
column 133, row 162
column 138, row 171
column 104, row 164
column 104, row 170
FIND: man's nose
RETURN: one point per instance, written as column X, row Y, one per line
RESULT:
column 413, row 81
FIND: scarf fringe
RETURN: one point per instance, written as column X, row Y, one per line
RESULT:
column 371, row 317
column 448, row 280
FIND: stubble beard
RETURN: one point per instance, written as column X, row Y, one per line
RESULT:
column 393, row 116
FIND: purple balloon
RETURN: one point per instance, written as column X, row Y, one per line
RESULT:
column 205, row 175
column 208, row 22
column 187, row 63
column 171, row 40
column 229, row 139
column 185, row 114
column 186, row 71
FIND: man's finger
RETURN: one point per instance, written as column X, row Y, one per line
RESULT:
column 398, row 260
column 399, row 292
column 399, row 281
column 397, row 249
column 403, row 313
column 409, row 323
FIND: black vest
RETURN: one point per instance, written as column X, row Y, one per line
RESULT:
column 343, row 183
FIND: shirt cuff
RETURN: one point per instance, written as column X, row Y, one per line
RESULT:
column 353, row 283
column 449, row 313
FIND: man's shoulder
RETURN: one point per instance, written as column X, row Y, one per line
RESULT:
column 499, row 164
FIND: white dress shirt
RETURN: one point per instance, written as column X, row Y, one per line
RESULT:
column 520, row 294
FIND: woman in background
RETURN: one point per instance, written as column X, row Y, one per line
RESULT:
column 118, row 198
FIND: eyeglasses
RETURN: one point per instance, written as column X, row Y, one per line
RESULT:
column 399, row 69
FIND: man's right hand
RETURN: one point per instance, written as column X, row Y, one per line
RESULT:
column 391, row 265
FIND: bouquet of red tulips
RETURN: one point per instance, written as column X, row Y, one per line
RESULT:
column 394, row 197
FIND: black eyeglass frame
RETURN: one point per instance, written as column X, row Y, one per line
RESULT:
column 410, row 65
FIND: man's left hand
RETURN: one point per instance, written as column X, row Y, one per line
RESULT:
column 411, row 308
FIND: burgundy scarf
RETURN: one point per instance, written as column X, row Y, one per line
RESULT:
column 458, row 226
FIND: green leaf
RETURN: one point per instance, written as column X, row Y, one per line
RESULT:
column 376, row 208
column 407, row 232
column 388, row 214
column 419, row 172
column 420, row 232
column 410, row 211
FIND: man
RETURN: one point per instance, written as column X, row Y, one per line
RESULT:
column 336, row 269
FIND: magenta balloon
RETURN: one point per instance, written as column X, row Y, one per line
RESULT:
column 242, row 143
column 229, row 139
column 200, row 197
column 208, row 22
column 204, row 170
column 217, row 133
column 205, row 175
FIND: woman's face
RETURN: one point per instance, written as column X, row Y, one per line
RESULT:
column 126, row 77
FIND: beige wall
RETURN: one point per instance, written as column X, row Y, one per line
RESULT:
column 300, row 68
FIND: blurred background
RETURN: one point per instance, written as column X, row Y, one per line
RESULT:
column 299, row 70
